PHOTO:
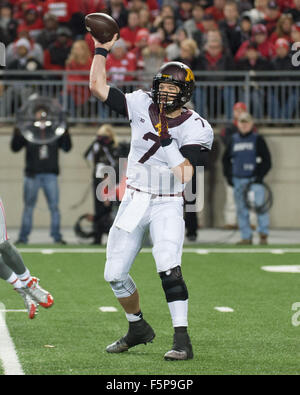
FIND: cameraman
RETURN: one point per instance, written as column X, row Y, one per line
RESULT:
column 102, row 152
column 247, row 159
column 41, row 171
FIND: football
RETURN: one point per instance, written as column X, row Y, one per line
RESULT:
column 101, row 26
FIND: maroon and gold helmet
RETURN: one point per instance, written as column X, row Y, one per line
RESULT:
column 176, row 73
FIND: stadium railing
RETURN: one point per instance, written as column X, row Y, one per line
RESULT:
column 271, row 97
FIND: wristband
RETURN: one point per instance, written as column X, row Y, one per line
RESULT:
column 101, row 51
column 174, row 156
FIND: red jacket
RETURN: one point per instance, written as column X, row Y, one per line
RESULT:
column 266, row 49
column 80, row 93
column 129, row 35
column 216, row 13
column 119, row 66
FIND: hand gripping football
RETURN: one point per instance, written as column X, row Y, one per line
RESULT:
column 101, row 26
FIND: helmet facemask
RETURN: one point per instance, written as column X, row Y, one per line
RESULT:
column 177, row 74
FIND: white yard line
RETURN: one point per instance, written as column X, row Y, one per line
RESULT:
column 201, row 251
column 8, row 355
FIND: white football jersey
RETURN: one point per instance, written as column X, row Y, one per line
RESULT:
column 147, row 164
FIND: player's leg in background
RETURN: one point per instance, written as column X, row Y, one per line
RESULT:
column 30, row 193
column 167, row 233
column 12, row 259
column 10, row 277
column 122, row 249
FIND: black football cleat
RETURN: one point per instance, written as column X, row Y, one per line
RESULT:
column 139, row 332
column 182, row 348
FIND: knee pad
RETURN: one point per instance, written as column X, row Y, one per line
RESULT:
column 123, row 289
column 174, row 285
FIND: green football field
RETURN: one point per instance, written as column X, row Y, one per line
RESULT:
column 259, row 335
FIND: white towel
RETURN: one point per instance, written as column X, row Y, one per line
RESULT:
column 134, row 212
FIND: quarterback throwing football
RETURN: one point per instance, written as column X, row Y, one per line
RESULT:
column 167, row 142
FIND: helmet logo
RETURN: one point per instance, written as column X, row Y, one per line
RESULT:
column 189, row 75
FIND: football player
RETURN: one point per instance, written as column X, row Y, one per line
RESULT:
column 167, row 142
column 13, row 270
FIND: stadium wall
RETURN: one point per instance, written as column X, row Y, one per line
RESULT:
column 75, row 179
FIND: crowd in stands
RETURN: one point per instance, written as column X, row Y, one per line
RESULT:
column 205, row 34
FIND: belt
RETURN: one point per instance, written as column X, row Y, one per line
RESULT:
column 154, row 195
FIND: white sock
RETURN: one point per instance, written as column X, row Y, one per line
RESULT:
column 179, row 312
column 134, row 317
column 25, row 277
column 14, row 281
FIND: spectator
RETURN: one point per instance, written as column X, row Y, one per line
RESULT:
column 23, row 60
column 194, row 24
column 295, row 33
column 145, row 19
column 173, row 50
column 80, row 59
column 119, row 62
column 207, row 24
column 257, row 13
column 165, row 11
column 184, row 11
column 154, row 55
column 69, row 15
column 41, row 171
column 32, row 21
column 245, row 28
column 283, row 28
column 247, row 159
column 102, row 152
column 215, row 58
column 188, row 53
column 282, row 100
column 260, row 38
column 295, row 11
column 141, row 43
column 230, row 27
column 118, row 11
column 49, row 33
column 129, row 32
column 35, row 51
column 8, row 25
column 168, row 26
column 254, row 61
column 58, row 52
column 217, row 10
column 271, row 17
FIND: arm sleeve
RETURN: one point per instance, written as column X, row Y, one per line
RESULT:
column 196, row 154
column 264, row 166
column 116, row 101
